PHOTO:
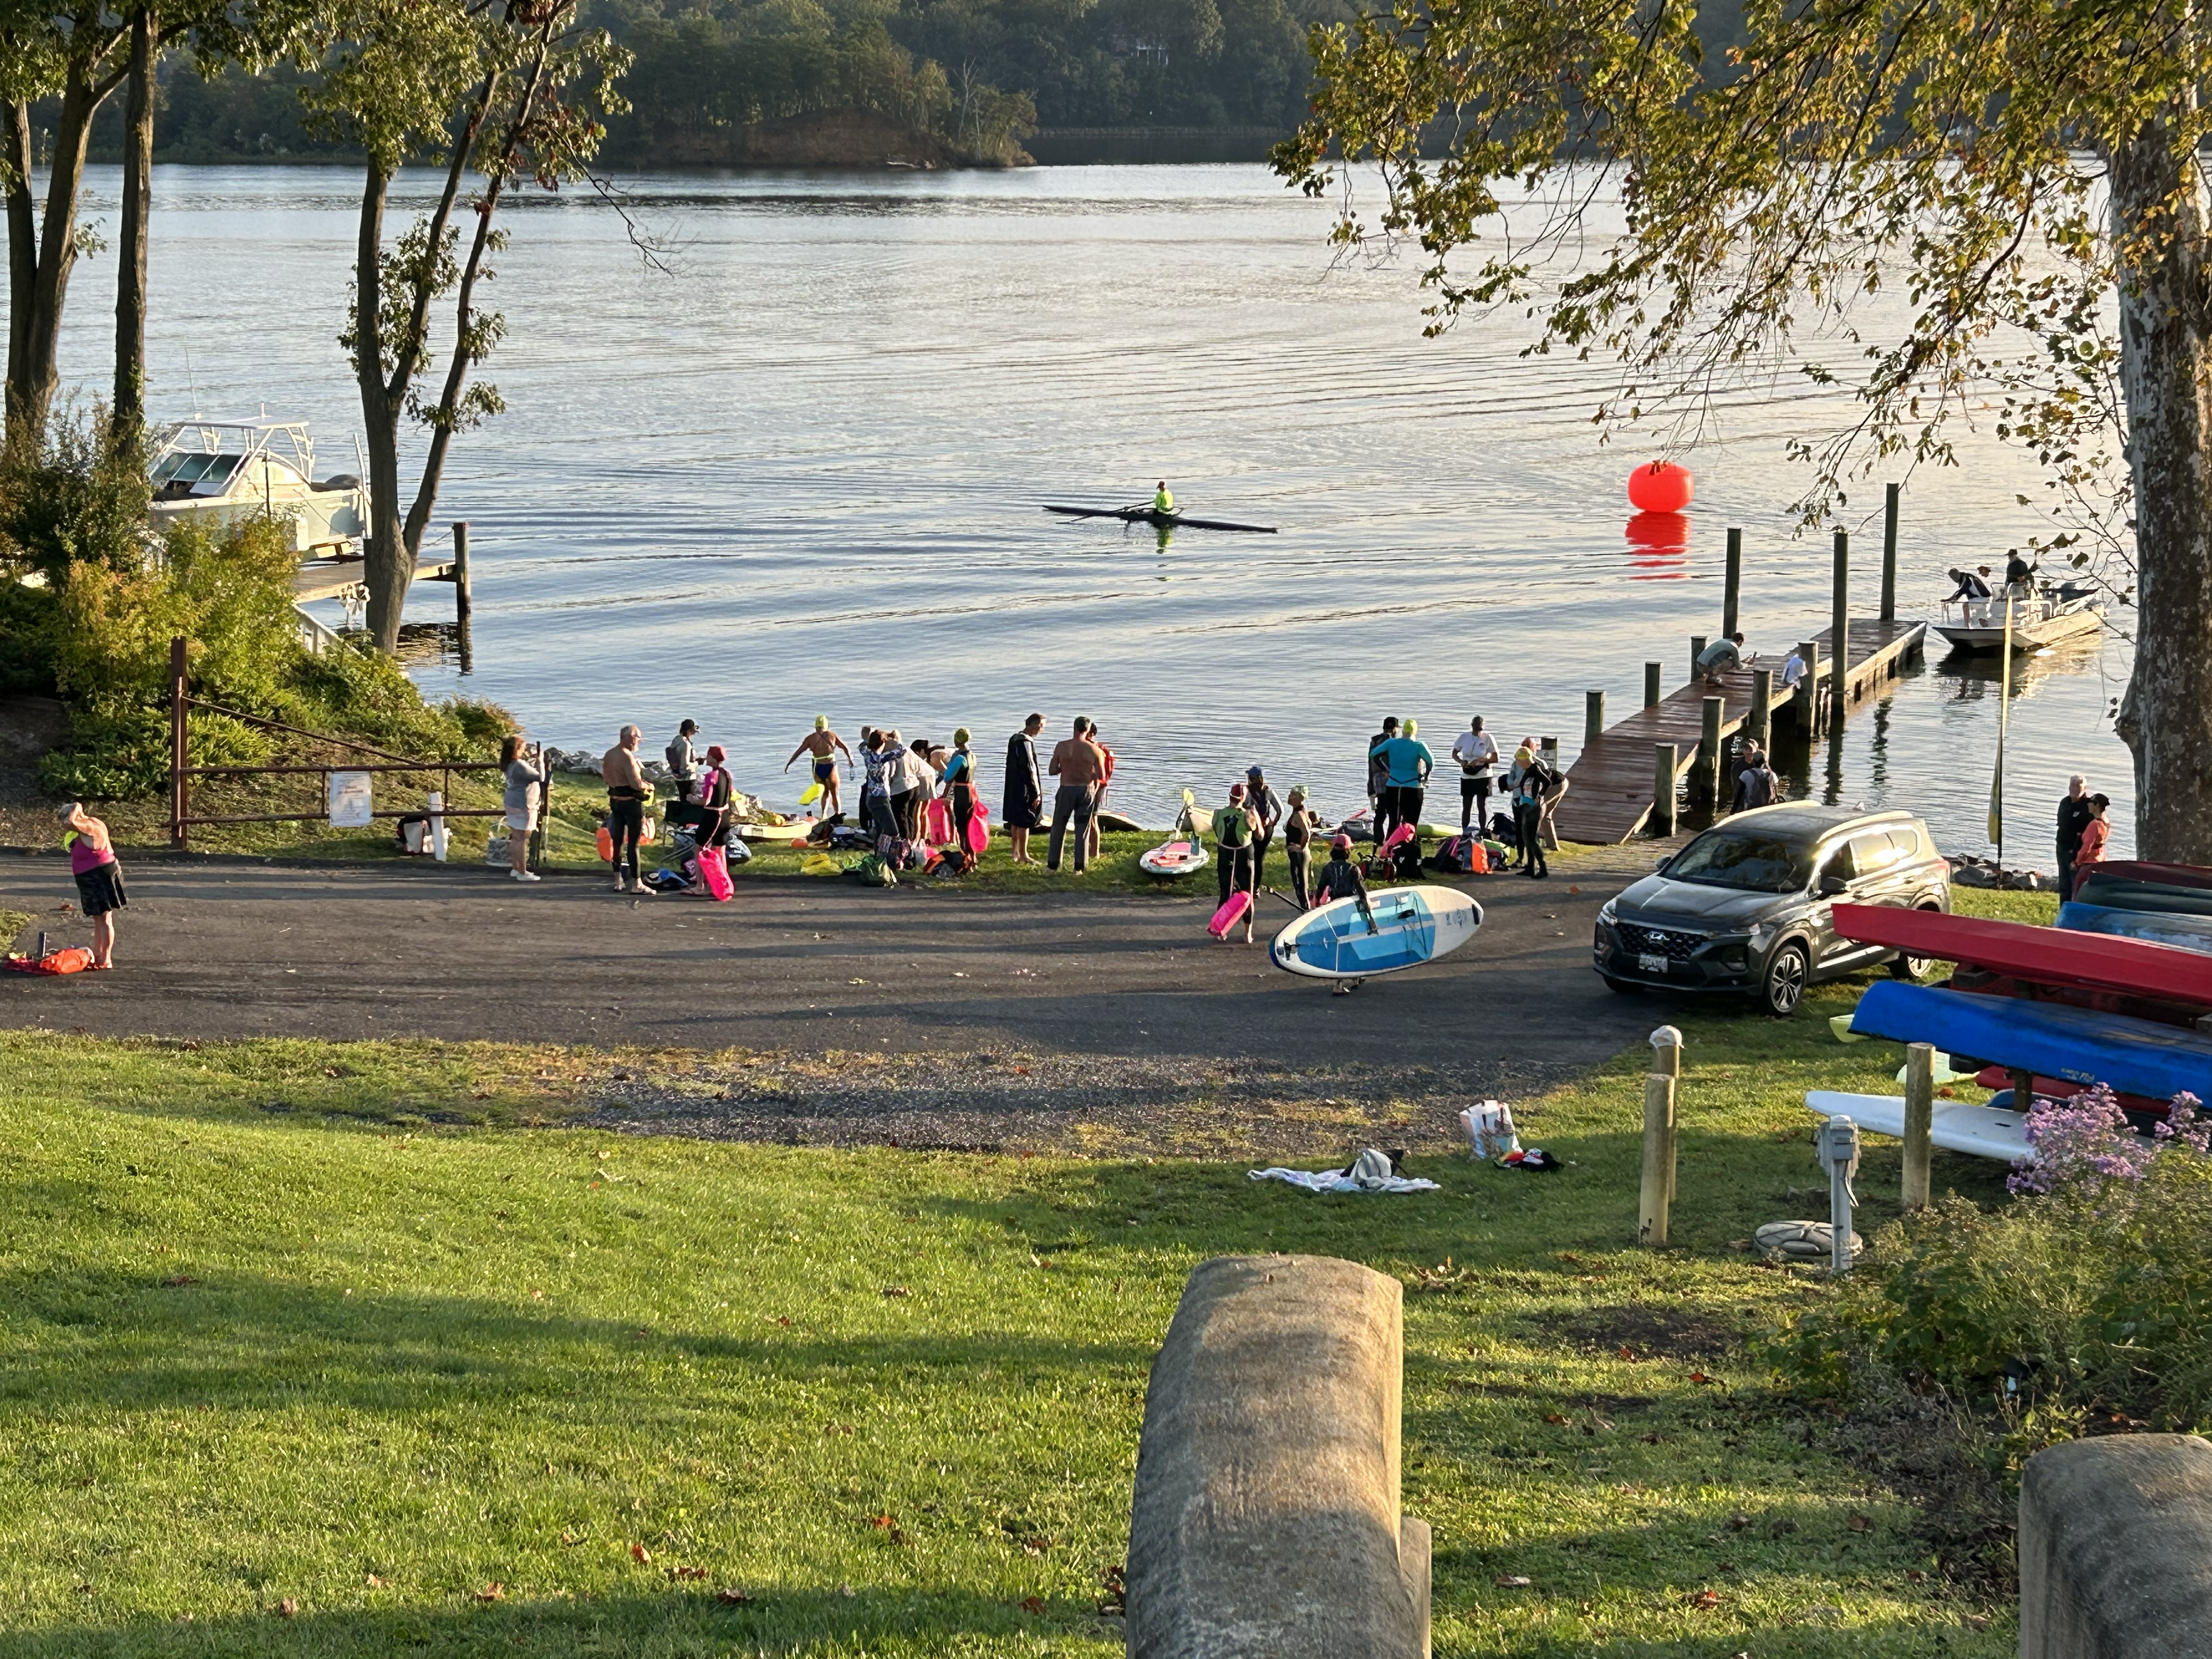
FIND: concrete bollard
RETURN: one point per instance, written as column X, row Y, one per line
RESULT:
column 2115, row 1539
column 1265, row 1518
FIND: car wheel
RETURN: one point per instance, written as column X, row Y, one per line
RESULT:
column 1914, row 968
column 1620, row 987
column 1783, row 987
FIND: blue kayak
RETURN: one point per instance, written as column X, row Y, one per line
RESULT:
column 2132, row 1056
column 2188, row 933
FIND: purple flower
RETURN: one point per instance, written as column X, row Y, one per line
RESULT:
column 2081, row 1143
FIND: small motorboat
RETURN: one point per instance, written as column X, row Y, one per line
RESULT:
column 2042, row 618
column 229, row 471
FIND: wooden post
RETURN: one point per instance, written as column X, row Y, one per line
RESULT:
column 1592, row 716
column 464, row 599
column 1919, row 1119
column 1697, row 650
column 1889, row 556
column 1840, row 624
column 1733, row 590
column 1667, row 1062
column 1651, row 672
column 179, row 794
column 1662, row 788
column 1709, row 752
column 1762, row 706
column 1655, row 1199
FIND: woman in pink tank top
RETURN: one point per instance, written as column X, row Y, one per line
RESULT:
column 99, row 879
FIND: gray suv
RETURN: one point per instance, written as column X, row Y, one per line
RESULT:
column 1747, row 906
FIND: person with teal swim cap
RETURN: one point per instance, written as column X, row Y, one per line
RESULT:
column 821, row 743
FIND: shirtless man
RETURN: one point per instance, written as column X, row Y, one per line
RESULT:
column 819, row 742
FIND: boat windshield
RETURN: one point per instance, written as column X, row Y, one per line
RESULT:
column 1751, row 863
column 204, row 471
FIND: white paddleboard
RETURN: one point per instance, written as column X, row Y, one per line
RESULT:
column 1955, row 1126
column 1176, row 858
column 1412, row 924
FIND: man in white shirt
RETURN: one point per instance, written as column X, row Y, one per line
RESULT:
column 1793, row 670
column 1476, row 751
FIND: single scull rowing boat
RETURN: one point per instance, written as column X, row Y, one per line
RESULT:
column 1164, row 520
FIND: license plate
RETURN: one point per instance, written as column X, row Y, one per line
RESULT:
column 1652, row 964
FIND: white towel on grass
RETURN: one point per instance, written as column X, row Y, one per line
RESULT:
column 1335, row 1180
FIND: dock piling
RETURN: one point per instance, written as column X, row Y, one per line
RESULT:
column 1592, row 716
column 1734, row 589
column 1697, row 650
column 1663, row 771
column 1809, row 652
column 1651, row 672
column 1707, row 787
column 1762, row 706
column 1840, row 623
column 463, row 600
column 1889, row 556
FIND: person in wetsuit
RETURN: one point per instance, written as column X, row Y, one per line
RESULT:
column 1340, row 878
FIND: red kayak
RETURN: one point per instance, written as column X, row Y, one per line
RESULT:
column 2053, row 958
column 2165, row 875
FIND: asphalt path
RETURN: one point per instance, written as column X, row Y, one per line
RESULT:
column 236, row 949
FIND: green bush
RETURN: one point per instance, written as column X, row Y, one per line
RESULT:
column 27, row 621
column 2090, row 1301
column 81, row 498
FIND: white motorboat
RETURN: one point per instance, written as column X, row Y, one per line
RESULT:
column 233, row 471
column 2042, row 618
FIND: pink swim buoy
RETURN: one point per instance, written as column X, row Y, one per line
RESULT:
column 1662, row 487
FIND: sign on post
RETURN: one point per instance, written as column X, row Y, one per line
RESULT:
column 352, row 800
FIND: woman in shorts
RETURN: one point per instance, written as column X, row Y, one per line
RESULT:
column 99, row 879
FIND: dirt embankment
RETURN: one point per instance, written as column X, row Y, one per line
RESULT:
column 836, row 138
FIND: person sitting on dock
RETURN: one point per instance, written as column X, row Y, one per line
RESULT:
column 1970, row 586
column 819, row 742
column 1163, row 498
column 1723, row 656
column 1793, row 669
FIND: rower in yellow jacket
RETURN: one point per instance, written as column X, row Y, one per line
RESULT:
column 1164, row 498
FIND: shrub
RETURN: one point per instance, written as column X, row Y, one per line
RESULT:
column 2089, row 1294
column 81, row 498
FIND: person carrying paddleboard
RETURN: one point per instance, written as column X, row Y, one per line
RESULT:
column 820, row 743
column 1234, row 834
column 1340, row 879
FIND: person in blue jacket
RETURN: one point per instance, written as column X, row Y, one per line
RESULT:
column 1405, row 763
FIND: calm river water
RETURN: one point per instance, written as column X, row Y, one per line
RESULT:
column 802, row 472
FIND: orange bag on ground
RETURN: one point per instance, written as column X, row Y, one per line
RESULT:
column 73, row 960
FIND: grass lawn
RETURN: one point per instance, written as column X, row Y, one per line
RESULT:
column 307, row 1381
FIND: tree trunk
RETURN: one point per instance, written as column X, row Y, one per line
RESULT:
column 387, row 569
column 2161, row 227
column 129, row 414
column 23, row 249
column 33, row 378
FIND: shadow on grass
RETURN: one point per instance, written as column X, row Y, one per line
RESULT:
column 677, row 1622
column 244, row 1341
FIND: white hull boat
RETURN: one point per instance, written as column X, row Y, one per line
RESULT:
column 231, row 471
column 2043, row 619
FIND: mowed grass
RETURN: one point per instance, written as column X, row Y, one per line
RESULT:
column 292, row 1382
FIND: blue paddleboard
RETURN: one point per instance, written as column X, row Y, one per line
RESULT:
column 1412, row 924
column 2189, row 932
column 2132, row 1056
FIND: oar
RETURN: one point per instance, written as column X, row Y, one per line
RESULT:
column 1288, row 900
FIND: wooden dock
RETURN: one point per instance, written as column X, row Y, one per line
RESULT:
column 1609, row 785
column 333, row 578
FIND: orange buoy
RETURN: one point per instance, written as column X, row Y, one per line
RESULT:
column 1662, row 487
